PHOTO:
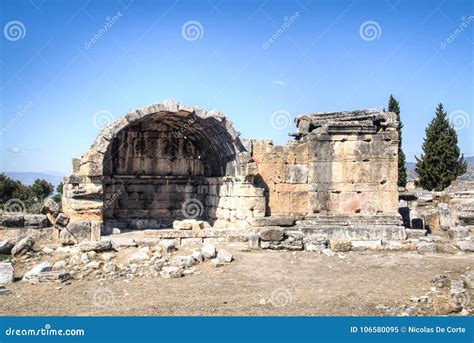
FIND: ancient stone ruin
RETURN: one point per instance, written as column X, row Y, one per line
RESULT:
column 169, row 162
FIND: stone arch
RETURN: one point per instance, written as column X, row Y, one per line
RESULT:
column 145, row 164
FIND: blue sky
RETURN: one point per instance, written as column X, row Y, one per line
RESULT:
column 331, row 55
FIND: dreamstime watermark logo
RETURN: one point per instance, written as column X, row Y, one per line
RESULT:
column 192, row 208
column 192, row 30
column 280, row 297
column 20, row 113
column 109, row 202
column 102, row 118
column 14, row 30
column 287, row 22
column 14, row 205
column 47, row 330
column 280, row 119
column 459, row 119
column 109, row 22
column 465, row 22
column 103, row 297
column 370, row 30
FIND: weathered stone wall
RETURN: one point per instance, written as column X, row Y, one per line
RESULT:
column 342, row 163
column 283, row 173
column 170, row 161
column 161, row 163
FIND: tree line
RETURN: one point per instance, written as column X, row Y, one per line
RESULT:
column 31, row 197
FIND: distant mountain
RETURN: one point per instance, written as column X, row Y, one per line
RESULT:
column 469, row 175
column 27, row 178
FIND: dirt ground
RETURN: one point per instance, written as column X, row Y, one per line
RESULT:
column 256, row 283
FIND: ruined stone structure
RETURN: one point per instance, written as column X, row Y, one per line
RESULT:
column 168, row 161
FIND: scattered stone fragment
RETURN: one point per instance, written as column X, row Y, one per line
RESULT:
column 171, row 272
column 208, row 251
column 182, row 225
column 168, row 245
column 328, row 252
column 39, row 268
column 216, row 262
column 95, row 246
column 50, row 206
column 139, row 256
column 183, row 262
column 59, row 265
column 92, row 265
column 459, row 232
column 6, row 272
column 197, row 255
column 465, row 246
column 6, row 247
column 426, row 247
column 110, row 267
column 61, row 220
column 55, row 275
column 107, row 256
column 23, row 246
column 441, row 281
column 47, row 250
column 225, row 256
column 3, row 289
column 340, row 246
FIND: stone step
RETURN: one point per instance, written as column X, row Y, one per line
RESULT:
column 273, row 221
column 353, row 232
column 338, row 220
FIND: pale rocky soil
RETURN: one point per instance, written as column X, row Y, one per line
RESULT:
column 315, row 285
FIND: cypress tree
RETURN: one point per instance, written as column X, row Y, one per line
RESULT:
column 393, row 106
column 441, row 161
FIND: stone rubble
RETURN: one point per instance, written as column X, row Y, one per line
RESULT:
column 22, row 247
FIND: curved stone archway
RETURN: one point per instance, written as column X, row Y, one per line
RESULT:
column 163, row 162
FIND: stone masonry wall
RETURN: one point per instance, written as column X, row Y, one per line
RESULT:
column 284, row 176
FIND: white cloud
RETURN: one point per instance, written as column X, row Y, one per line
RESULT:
column 14, row 150
column 280, row 83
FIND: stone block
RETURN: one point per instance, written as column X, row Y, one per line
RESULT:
column 208, row 251
column 415, row 233
column 6, row 247
column 432, row 223
column 366, row 245
column 467, row 246
column 340, row 246
column 6, row 272
column 444, row 216
column 274, row 233
column 459, row 232
column 75, row 232
column 95, row 246
column 39, row 268
column 12, row 220
column 296, row 173
column 23, row 246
